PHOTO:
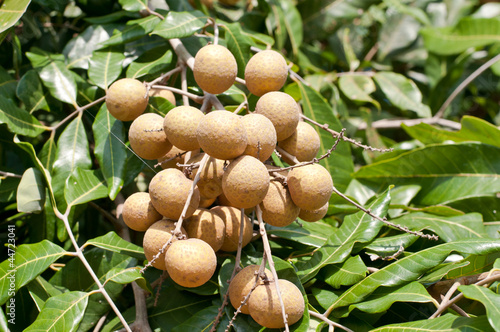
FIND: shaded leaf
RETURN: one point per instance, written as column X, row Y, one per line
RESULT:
column 344, row 274
column 30, row 91
column 112, row 242
column 387, row 246
column 106, row 66
column 60, row 81
column 202, row 321
column 475, row 264
column 48, row 153
column 8, row 84
column 151, row 62
column 41, row 290
column 398, row 32
column 18, row 120
column 239, row 44
column 313, row 234
column 134, row 30
column 84, row 186
column 180, row 25
column 359, row 88
column 11, row 11
column 126, row 276
column 31, row 192
column 288, row 24
column 446, row 322
column 8, row 187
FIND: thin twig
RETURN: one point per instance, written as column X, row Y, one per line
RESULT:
column 396, row 123
column 328, row 321
column 163, row 77
column 10, row 175
column 192, row 96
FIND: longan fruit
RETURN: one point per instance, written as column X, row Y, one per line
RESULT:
column 147, row 138
column 169, row 190
column 180, row 126
column 278, row 209
column 242, row 283
column 190, row 263
column 167, row 94
column 166, row 161
column 314, row 215
column 310, row 186
column 304, row 143
column 126, row 99
column 222, row 135
column 264, row 305
column 232, row 220
column 206, row 202
column 265, row 71
column 261, row 136
column 155, row 238
column 215, row 68
column 282, row 110
column 138, row 212
column 206, row 225
column 210, row 183
column 245, row 182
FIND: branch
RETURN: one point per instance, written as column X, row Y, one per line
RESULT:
column 396, row 123
column 328, row 321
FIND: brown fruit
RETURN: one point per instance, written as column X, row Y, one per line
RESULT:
column 261, row 136
column 232, row 220
column 242, row 283
column 264, row 305
column 266, row 71
column 222, row 135
column 166, row 161
column 215, row 68
column 304, row 143
column 278, row 209
column 207, row 226
column 126, row 99
column 314, row 215
column 147, row 138
column 169, row 190
column 310, row 186
column 138, row 212
column 191, row 262
column 180, row 126
column 168, row 95
column 282, row 110
column 210, row 183
column 155, row 237
column 206, row 202
column 245, row 182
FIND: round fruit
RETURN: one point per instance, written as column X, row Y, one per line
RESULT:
column 155, row 238
column 245, row 182
column 215, row 69
column 207, row 226
column 232, row 220
column 190, row 263
column 282, row 110
column 138, row 212
column 261, row 136
column 210, row 183
column 206, row 202
column 222, row 135
column 168, row 95
column 314, row 215
column 310, row 186
column 171, row 159
column 265, row 71
column 278, row 209
column 242, row 283
column 304, row 143
column 126, row 99
column 169, row 190
column 264, row 305
column 180, row 126
column 147, row 138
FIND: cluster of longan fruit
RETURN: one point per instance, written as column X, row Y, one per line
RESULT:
column 229, row 155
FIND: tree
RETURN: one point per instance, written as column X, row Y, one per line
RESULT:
column 404, row 97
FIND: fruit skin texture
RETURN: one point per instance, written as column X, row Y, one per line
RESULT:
column 168, row 95
column 304, row 143
column 207, row 226
column 232, row 220
column 169, row 190
column 261, row 136
column 314, row 215
column 125, row 99
column 242, row 283
column 310, row 186
column 215, row 68
column 210, row 183
column 264, row 305
column 138, row 212
column 265, row 71
column 147, row 138
column 191, row 262
column 245, row 182
column 177, row 160
column 180, row 127
column 155, row 237
column 278, row 209
column 282, row 110
column 222, row 135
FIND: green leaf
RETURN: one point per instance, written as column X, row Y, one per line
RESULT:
column 151, row 62
column 8, row 187
column 84, row 186
column 30, row 91
column 359, row 88
column 469, row 32
column 475, row 264
column 47, row 154
column 18, row 120
column 180, row 25
column 79, row 49
column 7, row 84
column 30, row 261
column 11, row 11
column 314, row 234
column 346, row 273
column 239, row 44
column 133, row 5
column 387, row 246
column 402, row 93
column 399, row 32
column 409, row 10
column 31, row 192
column 488, row 298
column 106, row 67
column 60, row 82
column 134, row 30
column 112, row 242
column 448, row 323
column 126, row 276
column 41, row 290
column 202, row 321
column 290, row 23
column 62, row 312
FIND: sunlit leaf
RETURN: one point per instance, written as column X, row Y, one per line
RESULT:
column 41, row 290
column 239, row 44
column 83, row 186
column 31, row 191
column 60, row 81
column 133, row 5
column 18, row 120
column 30, row 91
column 313, row 234
column 448, row 322
column 126, row 276
column 346, row 273
column 79, row 49
column 151, row 62
column 135, row 29
column 11, row 11
column 112, row 242
column 358, row 87
column 106, row 66
column 180, row 25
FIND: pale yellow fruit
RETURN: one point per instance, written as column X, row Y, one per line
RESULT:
column 168, row 95
column 314, row 215
column 180, row 126
column 222, row 135
column 222, row 200
column 282, row 110
column 207, row 226
column 126, row 99
column 169, row 190
column 242, row 283
column 210, row 183
column 232, row 220
column 265, row 71
column 155, row 238
column 174, row 157
column 310, row 186
column 206, row 202
column 264, row 304
column 278, row 209
column 245, row 182
column 304, row 143
column 147, row 138
column 190, row 263
column 215, row 68
column 261, row 136
column 138, row 212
